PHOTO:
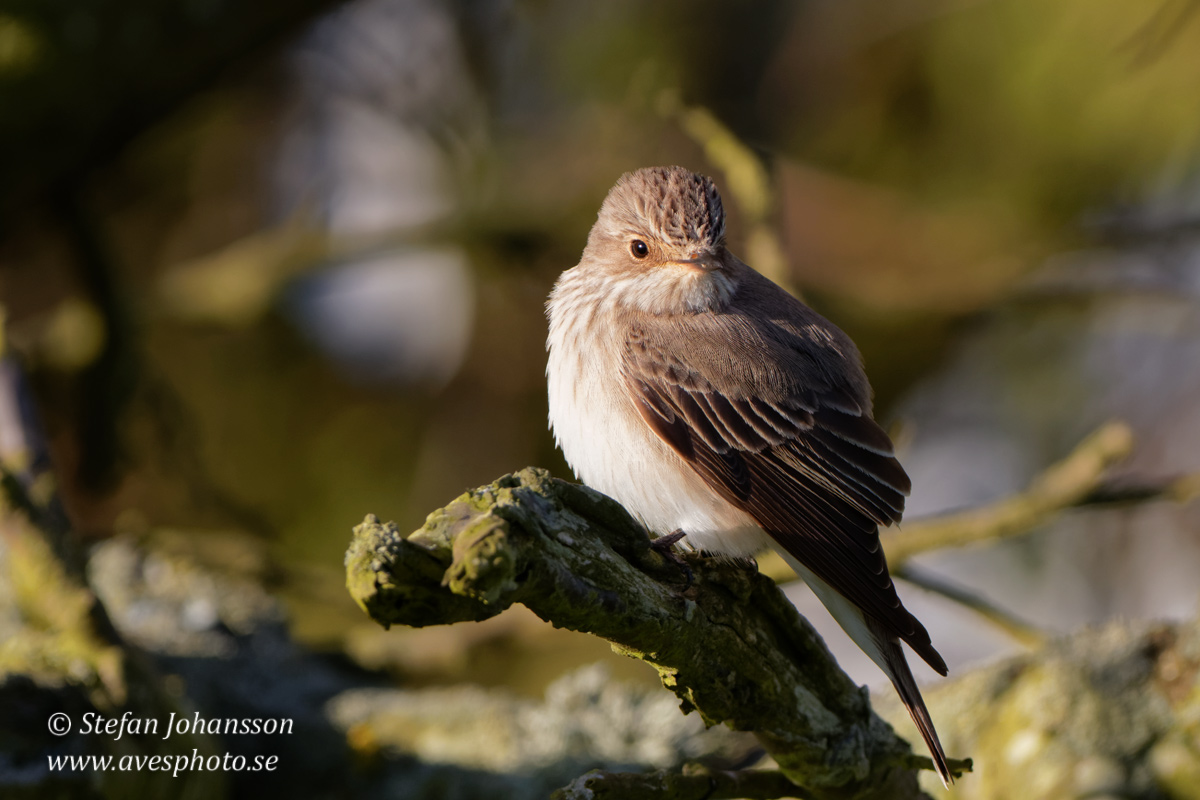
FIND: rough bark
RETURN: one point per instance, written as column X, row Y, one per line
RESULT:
column 693, row 785
column 729, row 644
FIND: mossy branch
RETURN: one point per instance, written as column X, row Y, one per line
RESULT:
column 697, row 784
column 730, row 644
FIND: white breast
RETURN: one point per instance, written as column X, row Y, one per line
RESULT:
column 606, row 442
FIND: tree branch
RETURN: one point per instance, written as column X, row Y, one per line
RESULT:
column 1018, row 629
column 748, row 181
column 729, row 645
column 695, row 784
column 1063, row 485
column 1075, row 481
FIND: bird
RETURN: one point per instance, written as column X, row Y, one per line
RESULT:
column 713, row 404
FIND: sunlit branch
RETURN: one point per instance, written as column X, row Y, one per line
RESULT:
column 727, row 642
column 1063, row 485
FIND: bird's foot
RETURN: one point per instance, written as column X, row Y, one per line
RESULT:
column 665, row 543
column 748, row 563
column 664, row 546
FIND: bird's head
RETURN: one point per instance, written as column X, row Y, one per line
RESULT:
column 660, row 241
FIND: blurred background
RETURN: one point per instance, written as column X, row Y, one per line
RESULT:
column 270, row 269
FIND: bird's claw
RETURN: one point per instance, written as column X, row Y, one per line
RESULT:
column 664, row 546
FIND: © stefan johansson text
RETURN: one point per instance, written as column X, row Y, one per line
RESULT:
column 178, row 725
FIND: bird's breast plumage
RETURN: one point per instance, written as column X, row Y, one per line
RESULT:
column 605, row 440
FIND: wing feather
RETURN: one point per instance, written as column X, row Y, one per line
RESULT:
column 808, row 463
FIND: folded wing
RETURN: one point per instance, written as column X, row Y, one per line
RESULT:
column 803, row 458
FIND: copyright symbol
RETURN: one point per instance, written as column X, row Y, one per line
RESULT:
column 60, row 724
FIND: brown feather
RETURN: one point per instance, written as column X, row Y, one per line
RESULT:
column 906, row 686
column 781, row 428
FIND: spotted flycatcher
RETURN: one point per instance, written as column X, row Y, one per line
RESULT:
column 706, row 399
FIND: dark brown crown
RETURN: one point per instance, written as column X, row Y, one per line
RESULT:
column 672, row 203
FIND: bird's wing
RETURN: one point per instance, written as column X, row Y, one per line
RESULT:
column 789, row 439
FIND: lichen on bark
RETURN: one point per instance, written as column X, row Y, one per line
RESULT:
column 728, row 643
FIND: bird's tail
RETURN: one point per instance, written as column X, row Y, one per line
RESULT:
column 883, row 647
column 897, row 669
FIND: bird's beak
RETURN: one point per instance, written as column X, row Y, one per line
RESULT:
column 702, row 260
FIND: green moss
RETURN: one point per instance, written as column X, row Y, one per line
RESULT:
column 67, row 658
column 484, row 565
column 729, row 645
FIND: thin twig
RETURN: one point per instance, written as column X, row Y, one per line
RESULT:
column 1020, row 630
column 1063, row 485
column 747, row 181
column 1074, row 482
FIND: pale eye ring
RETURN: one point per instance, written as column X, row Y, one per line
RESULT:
column 639, row 249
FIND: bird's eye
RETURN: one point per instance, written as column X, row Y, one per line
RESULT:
column 639, row 249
